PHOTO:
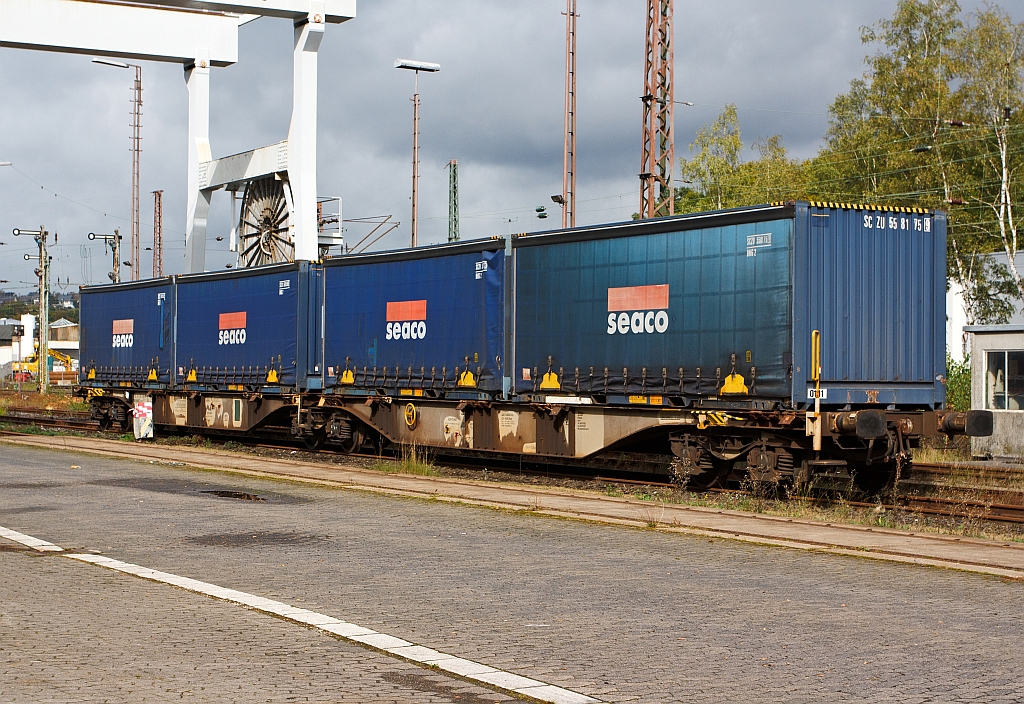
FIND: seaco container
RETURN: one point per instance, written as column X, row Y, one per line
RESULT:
column 422, row 319
column 127, row 331
column 723, row 304
column 251, row 327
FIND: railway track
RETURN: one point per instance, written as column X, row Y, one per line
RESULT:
column 987, row 503
column 54, row 420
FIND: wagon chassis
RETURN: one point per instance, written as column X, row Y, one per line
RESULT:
column 700, row 446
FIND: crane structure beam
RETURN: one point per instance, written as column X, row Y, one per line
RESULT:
column 135, row 32
column 332, row 11
column 304, row 223
column 658, row 150
column 199, row 34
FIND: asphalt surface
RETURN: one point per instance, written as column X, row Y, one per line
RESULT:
column 619, row 614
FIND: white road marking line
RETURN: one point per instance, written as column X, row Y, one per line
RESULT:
column 28, row 540
column 508, row 681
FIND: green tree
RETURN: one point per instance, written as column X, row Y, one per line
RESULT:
column 712, row 170
column 991, row 70
column 717, row 177
column 926, row 126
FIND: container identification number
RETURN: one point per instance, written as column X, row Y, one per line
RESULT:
column 124, row 340
column 881, row 222
column 639, row 322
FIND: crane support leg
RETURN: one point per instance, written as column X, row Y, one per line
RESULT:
column 304, row 225
column 197, row 78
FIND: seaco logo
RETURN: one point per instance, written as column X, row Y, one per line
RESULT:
column 638, row 309
column 232, row 329
column 124, row 333
column 407, row 320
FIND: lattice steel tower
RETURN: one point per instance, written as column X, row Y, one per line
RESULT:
column 569, row 163
column 657, row 161
column 136, row 158
column 158, row 233
column 453, row 200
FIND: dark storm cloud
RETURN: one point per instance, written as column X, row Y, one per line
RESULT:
column 496, row 106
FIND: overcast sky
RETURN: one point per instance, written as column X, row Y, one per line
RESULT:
column 496, row 106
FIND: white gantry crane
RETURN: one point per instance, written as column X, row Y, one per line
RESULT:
column 279, row 220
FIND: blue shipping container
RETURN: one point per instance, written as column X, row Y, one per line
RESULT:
column 873, row 281
column 628, row 302
column 234, row 327
column 416, row 317
column 126, row 330
column 625, row 307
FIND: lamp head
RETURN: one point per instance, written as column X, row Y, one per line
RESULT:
column 417, row 65
column 110, row 62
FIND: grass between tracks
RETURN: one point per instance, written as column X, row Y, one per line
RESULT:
column 413, row 460
column 767, row 500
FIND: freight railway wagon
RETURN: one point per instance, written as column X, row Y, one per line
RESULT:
column 799, row 341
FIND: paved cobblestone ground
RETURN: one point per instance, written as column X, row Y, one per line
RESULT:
column 621, row 614
column 73, row 633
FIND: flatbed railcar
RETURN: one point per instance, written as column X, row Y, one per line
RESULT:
column 800, row 341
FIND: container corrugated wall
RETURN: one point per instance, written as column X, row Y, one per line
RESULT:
column 126, row 328
column 685, row 298
column 416, row 318
column 873, row 282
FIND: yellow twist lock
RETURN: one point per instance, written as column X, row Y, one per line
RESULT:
column 734, row 384
column 550, row 382
column 467, row 380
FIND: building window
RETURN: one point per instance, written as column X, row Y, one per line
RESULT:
column 1004, row 380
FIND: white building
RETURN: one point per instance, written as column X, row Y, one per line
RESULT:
column 997, row 384
column 957, row 335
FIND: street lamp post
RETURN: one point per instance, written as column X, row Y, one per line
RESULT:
column 42, row 361
column 136, row 157
column 416, row 66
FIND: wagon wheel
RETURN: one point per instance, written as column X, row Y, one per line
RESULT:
column 315, row 442
column 263, row 224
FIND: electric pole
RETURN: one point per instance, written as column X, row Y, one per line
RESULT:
column 43, row 272
column 453, row 201
column 158, row 234
column 569, row 160
column 658, row 156
column 114, row 241
column 136, row 159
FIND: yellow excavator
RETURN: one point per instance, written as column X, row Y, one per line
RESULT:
column 28, row 368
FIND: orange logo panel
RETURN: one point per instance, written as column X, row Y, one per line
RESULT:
column 232, row 321
column 401, row 311
column 638, row 298
column 124, row 327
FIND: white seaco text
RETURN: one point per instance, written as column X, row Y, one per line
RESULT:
column 413, row 330
column 639, row 322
